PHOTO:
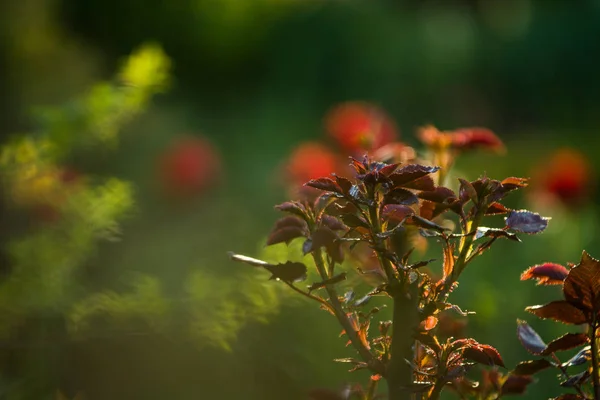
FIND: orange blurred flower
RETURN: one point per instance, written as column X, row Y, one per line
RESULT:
column 566, row 177
column 188, row 167
column 460, row 139
column 359, row 127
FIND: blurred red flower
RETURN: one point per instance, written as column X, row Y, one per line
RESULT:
column 188, row 167
column 311, row 160
column 565, row 177
column 359, row 127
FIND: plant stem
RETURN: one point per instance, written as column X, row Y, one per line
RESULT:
column 405, row 320
column 340, row 314
column 595, row 376
column 567, row 376
column 437, row 390
column 310, row 296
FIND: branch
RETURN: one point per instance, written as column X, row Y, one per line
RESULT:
column 340, row 314
column 312, row 297
column 594, row 342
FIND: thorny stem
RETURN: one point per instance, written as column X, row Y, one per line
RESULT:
column 340, row 314
column 567, row 376
column 405, row 319
column 595, row 371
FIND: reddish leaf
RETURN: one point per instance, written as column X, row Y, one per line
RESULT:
column 326, row 184
column 429, row 323
column 582, row 285
column 401, row 196
column 561, row 311
column 285, row 235
column 333, row 223
column 440, row 194
column 429, row 210
column 410, row 173
column 531, row 367
column 359, row 166
column 344, row 184
column 354, row 221
column 449, row 260
column 566, row 342
column 292, row 207
column 289, row 272
column 290, row 221
column 529, row 338
column 467, row 191
column 424, row 183
column 515, row 384
column 483, row 354
column 396, row 212
column 325, row 237
column 388, row 169
column 526, row 222
column 546, row 274
column 514, row 183
column 496, row 209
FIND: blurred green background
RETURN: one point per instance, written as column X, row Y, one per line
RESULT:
column 161, row 312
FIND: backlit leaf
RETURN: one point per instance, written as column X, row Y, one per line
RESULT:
column 467, row 191
column 333, row 223
column 566, row 342
column 440, row 194
column 285, row 235
column 401, row 196
column 515, row 384
column 546, row 274
column 531, row 367
column 582, row 285
column 483, row 354
column 396, row 212
column 410, row 173
column 292, row 207
column 526, row 221
column 326, row 184
column 325, row 237
column 496, row 209
column 344, row 184
column 561, row 311
column 529, row 338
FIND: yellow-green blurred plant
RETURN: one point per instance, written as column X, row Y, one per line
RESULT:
column 72, row 212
